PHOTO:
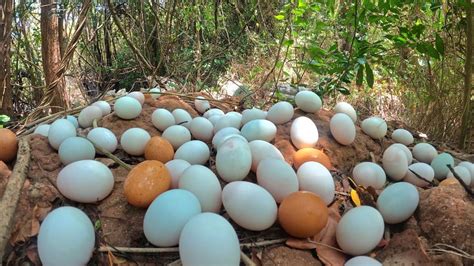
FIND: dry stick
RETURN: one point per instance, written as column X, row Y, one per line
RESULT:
column 466, row 187
column 422, row 178
column 184, row 96
column 110, row 155
column 246, row 260
column 12, row 192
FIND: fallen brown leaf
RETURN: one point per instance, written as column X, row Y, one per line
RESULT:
column 32, row 254
column 300, row 243
column 4, row 170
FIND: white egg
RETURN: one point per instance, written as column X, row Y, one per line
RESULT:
column 66, row 237
column 304, row 133
column 252, row 114
column 201, row 104
column 140, row 97
column 342, row 129
column 346, row 108
column 249, row 205
column 88, row 115
column 194, row 152
column 214, row 118
column 375, row 127
column 167, row 215
column 398, row 202
column 134, row 140
column 280, row 113
column 103, row 138
column 73, row 120
column 60, row 130
column 463, row 173
column 405, row 149
column 424, row 152
column 162, row 119
column 104, row 107
column 369, row 174
column 213, row 111
column 176, row 168
column 201, row 129
column 75, row 149
column 222, row 134
column 360, row 230
column 85, row 181
column 182, row 117
column 42, row 130
column 470, row 167
column 127, row 108
column 155, row 93
column 233, row 160
column 203, row 183
column 439, row 165
column 314, row 177
column 395, row 163
column 228, row 120
column 177, row 135
column 263, row 150
column 308, row 101
column 259, row 129
column 222, row 244
column 402, row 136
column 362, row 261
column 422, row 169
column 278, row 177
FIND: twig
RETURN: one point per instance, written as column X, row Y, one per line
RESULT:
column 110, row 155
column 324, row 245
column 466, row 187
column 246, row 260
column 422, row 178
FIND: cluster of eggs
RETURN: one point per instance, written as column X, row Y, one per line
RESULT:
column 183, row 196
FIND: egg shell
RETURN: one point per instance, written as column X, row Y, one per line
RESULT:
column 214, row 118
column 228, row 120
column 134, row 140
column 342, row 129
column 162, row 119
column 42, row 130
column 346, row 108
column 182, row 117
column 167, row 215
column 127, row 108
column 316, row 178
column 213, row 111
column 8, row 144
column 201, row 104
column 311, row 155
column 145, row 182
column 237, row 136
column 159, row 149
column 360, row 230
column 249, row 205
column 73, row 120
column 139, row 96
column 369, row 174
column 176, row 168
column 233, row 160
column 177, row 135
column 405, row 149
column 280, row 113
column 303, row 214
column 222, row 134
column 252, row 114
column 222, row 244
column 439, row 165
column 304, row 133
column 398, row 202
column 202, row 129
column 259, row 129
column 263, row 150
column 60, row 130
column 203, row 183
column 85, row 181
column 308, row 101
column 103, row 138
column 375, row 127
column 402, row 136
column 88, row 115
column 76, row 149
column 422, row 169
column 104, row 107
column 394, row 163
column 470, row 167
column 277, row 177
column 155, row 93
column 66, row 237
column 362, row 261
column 463, row 173
column 194, row 152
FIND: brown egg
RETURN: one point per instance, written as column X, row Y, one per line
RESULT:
column 159, row 149
column 303, row 214
column 145, row 182
column 8, row 145
column 311, row 155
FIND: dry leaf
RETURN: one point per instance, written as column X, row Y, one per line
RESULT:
column 300, row 243
column 4, row 171
column 32, row 254
column 355, row 198
column 35, row 226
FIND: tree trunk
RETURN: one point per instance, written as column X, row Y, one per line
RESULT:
column 6, row 15
column 466, row 116
column 50, row 50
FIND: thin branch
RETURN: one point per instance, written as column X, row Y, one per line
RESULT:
column 466, row 187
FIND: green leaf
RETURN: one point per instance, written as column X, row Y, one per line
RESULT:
column 428, row 49
column 280, row 17
column 369, row 75
column 360, row 75
column 439, row 43
column 344, row 91
column 288, row 43
column 97, row 224
column 4, row 119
